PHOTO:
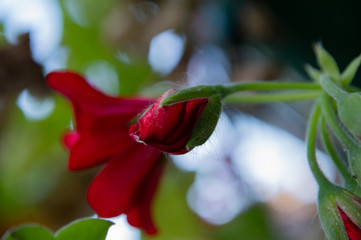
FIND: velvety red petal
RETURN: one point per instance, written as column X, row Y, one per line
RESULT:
column 140, row 215
column 89, row 103
column 111, row 192
column 95, row 148
column 160, row 121
column 100, row 120
column 175, row 148
column 193, row 109
column 76, row 88
column 353, row 231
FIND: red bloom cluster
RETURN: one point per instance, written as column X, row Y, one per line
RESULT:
column 128, row 181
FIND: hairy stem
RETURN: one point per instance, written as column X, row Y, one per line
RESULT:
column 247, row 86
column 272, row 97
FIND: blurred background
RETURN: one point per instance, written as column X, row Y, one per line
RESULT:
column 250, row 181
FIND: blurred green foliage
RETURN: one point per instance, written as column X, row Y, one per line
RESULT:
column 87, row 44
column 85, row 229
column 28, row 232
column 28, row 149
column 31, row 160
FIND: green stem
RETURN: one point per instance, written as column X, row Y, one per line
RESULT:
column 330, row 149
column 329, row 112
column 332, row 89
column 272, row 97
column 311, row 146
column 246, row 86
column 350, row 182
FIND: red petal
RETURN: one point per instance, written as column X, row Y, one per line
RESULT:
column 77, row 89
column 353, row 231
column 94, row 148
column 101, row 121
column 89, row 103
column 140, row 215
column 193, row 110
column 111, row 192
column 160, row 121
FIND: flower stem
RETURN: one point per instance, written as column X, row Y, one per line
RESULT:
column 350, row 182
column 272, row 97
column 311, row 146
column 330, row 149
column 246, row 86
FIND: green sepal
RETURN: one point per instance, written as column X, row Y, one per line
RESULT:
column 28, row 232
column 201, row 91
column 206, row 123
column 349, row 111
column 326, row 61
column 313, row 73
column 350, row 205
column 329, row 215
column 349, row 73
column 330, row 198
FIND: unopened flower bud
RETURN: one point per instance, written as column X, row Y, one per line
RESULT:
column 340, row 213
column 170, row 127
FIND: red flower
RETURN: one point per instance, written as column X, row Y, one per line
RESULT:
column 168, row 128
column 128, row 182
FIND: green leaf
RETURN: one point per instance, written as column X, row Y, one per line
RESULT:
column 87, row 229
column 28, row 232
column 313, row 73
column 349, row 73
column 326, row 61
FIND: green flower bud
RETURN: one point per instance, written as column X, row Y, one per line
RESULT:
column 339, row 212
